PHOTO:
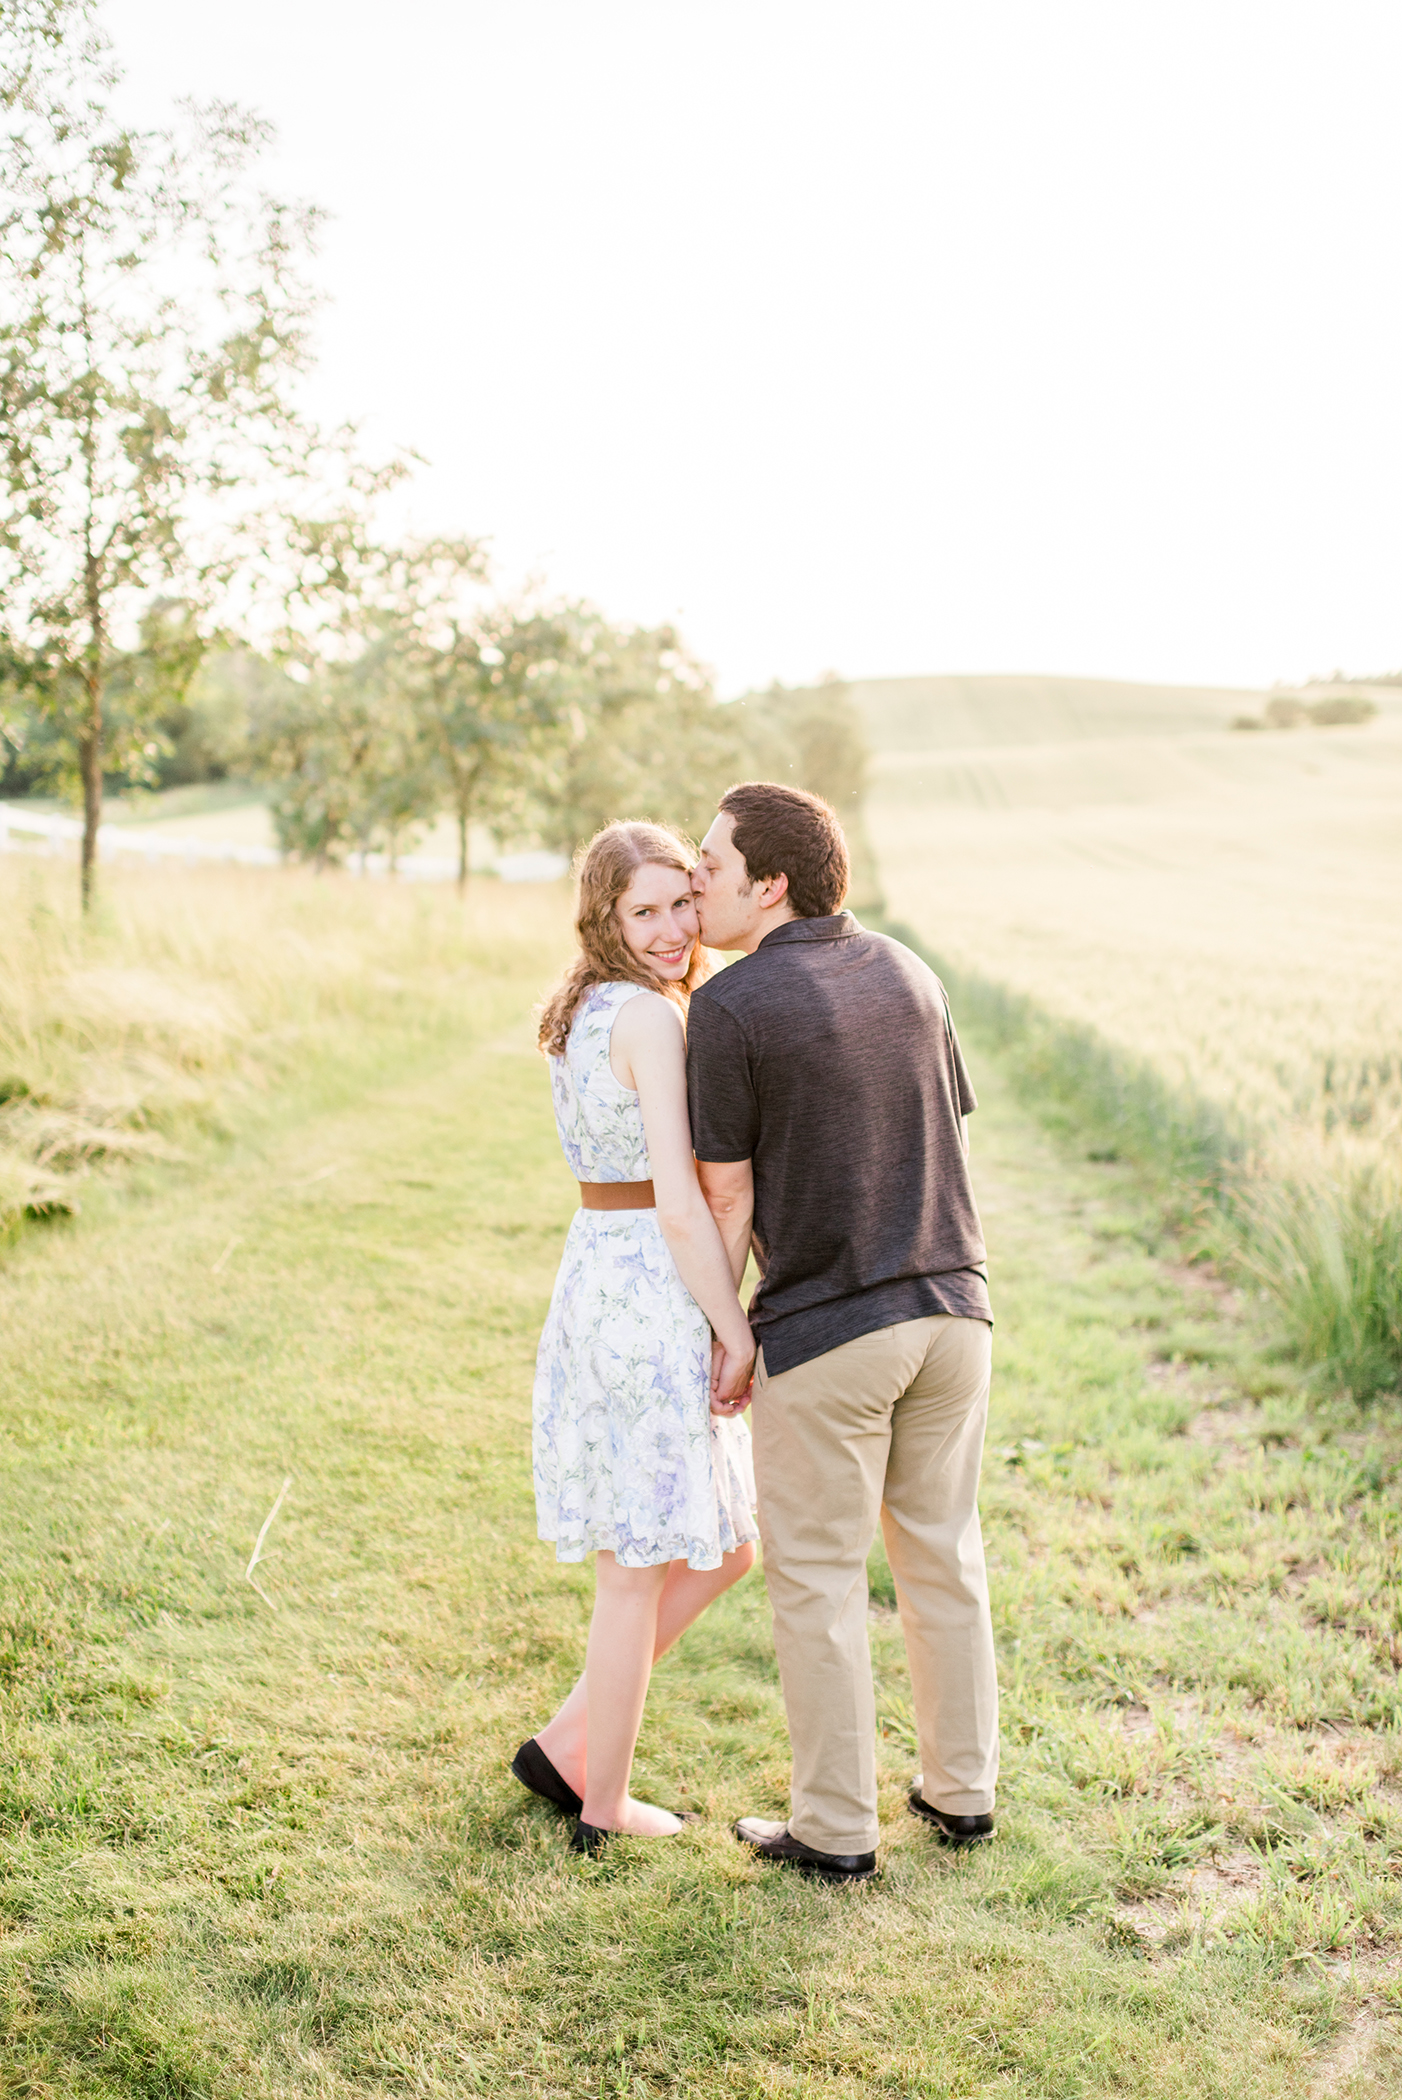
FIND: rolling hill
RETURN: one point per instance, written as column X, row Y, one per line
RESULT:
column 960, row 712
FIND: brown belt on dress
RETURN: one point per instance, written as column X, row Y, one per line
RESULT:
column 617, row 1195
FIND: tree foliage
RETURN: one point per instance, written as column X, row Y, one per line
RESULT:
column 642, row 735
column 813, row 738
column 153, row 314
column 490, row 683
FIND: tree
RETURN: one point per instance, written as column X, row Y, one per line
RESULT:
column 492, row 696
column 646, row 736
column 650, row 740
column 343, row 734
column 153, row 315
column 487, row 684
column 144, row 690
column 343, row 747
column 207, row 729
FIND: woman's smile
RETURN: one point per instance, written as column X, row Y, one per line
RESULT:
column 657, row 917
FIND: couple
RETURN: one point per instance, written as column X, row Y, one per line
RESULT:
column 808, row 1102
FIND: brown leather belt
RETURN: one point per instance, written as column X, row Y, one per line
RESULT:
column 617, row 1195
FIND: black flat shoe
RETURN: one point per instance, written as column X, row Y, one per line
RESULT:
column 950, row 1830
column 533, row 1768
column 591, row 1839
column 776, row 1842
column 588, row 1838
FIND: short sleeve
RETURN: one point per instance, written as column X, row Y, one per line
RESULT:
column 963, row 1085
column 719, row 1085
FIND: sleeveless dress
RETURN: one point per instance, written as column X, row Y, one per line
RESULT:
column 626, row 1453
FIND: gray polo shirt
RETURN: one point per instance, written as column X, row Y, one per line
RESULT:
column 829, row 1058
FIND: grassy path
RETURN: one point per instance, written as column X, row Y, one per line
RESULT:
column 262, row 1848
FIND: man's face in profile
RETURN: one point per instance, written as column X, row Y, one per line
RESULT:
column 721, row 885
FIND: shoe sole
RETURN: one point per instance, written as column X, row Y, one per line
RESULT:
column 812, row 1873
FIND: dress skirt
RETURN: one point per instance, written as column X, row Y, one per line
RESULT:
column 626, row 1453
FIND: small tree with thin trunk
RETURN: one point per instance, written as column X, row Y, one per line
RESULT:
column 153, row 316
column 340, row 736
column 488, row 684
column 492, row 696
column 341, row 745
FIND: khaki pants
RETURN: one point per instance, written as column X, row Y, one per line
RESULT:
column 890, row 1424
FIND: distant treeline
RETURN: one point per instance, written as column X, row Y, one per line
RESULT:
column 1294, row 711
column 542, row 724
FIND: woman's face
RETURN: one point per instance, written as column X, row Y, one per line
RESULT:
column 657, row 913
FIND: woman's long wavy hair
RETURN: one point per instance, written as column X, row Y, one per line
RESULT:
column 603, row 870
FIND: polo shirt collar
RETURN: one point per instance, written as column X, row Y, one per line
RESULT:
column 837, row 926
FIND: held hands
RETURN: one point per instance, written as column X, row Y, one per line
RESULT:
column 731, row 1374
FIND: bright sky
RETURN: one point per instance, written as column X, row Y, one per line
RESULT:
column 887, row 336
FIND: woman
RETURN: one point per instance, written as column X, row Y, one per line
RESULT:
column 644, row 1365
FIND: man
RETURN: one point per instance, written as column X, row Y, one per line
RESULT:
column 827, row 1102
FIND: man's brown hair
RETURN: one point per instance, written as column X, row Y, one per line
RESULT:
column 784, row 831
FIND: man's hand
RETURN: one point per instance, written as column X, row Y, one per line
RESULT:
column 731, row 1379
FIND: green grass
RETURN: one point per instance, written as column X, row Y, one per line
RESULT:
column 1327, row 1246
column 146, row 806
column 253, row 1849
column 200, row 798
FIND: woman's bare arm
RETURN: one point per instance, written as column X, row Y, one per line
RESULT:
column 648, row 1053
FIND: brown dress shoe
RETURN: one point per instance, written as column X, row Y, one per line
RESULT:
column 776, row 1842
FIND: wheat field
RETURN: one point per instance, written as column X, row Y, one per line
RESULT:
column 1229, row 906
column 1208, row 912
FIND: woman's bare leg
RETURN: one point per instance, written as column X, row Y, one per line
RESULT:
column 617, row 1665
column 686, row 1593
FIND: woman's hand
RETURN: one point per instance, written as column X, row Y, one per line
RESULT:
column 732, row 1373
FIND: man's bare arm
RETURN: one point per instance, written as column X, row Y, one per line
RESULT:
column 729, row 1189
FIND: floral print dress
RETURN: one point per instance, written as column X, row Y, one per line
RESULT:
column 627, row 1455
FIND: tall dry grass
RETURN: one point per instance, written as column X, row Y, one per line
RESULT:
column 127, row 1035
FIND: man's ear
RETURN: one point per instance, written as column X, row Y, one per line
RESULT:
column 774, row 891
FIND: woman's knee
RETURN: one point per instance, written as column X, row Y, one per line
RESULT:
column 628, row 1582
column 740, row 1562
